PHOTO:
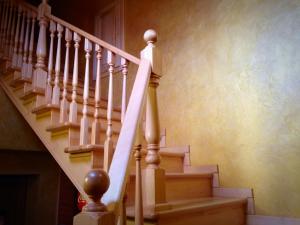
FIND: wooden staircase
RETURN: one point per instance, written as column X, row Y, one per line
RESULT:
column 174, row 192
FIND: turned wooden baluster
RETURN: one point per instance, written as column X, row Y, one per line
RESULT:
column 16, row 43
column 48, row 91
column 108, row 145
column 4, row 24
column 56, row 89
column 153, row 175
column 139, row 217
column 84, row 125
column 64, row 102
column 21, row 41
column 124, row 64
column 3, row 9
column 31, row 42
column 26, row 43
column 73, row 105
column 8, row 29
column 96, row 126
column 12, row 34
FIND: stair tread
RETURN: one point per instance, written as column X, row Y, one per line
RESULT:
column 48, row 107
column 184, row 206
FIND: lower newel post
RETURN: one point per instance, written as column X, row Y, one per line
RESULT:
column 96, row 183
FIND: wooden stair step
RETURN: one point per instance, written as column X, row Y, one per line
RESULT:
column 200, row 211
column 196, row 185
column 49, row 107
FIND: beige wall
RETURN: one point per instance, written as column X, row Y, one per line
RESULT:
column 231, row 89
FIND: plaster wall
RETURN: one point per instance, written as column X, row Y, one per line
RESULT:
column 230, row 89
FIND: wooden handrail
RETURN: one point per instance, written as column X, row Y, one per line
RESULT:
column 96, row 40
column 91, row 37
column 119, row 168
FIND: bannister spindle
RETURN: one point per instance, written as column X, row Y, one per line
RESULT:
column 154, row 175
column 26, row 43
column 29, row 66
column 56, row 89
column 4, row 24
column 73, row 105
column 139, row 217
column 8, row 29
column 64, row 102
column 21, row 40
column 124, row 64
column 12, row 33
column 108, row 145
column 84, row 125
column 48, row 91
column 3, row 8
column 96, row 126
column 16, row 43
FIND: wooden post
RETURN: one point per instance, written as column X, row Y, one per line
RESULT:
column 29, row 66
column 26, row 43
column 73, row 105
column 12, row 33
column 40, row 75
column 64, row 102
column 4, row 24
column 8, row 29
column 154, row 176
column 96, row 183
column 124, row 64
column 84, row 125
column 139, row 217
column 21, row 40
column 15, row 50
column 56, row 89
column 48, row 90
column 108, row 145
column 96, row 126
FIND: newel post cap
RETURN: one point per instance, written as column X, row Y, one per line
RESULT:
column 44, row 10
column 151, row 52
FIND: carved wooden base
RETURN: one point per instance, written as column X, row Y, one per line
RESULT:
column 94, row 218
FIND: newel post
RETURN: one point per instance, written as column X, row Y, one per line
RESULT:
column 153, row 175
column 40, row 75
column 96, row 183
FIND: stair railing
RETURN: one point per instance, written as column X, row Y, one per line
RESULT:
column 17, row 42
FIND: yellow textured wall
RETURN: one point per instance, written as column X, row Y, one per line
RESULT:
column 231, row 89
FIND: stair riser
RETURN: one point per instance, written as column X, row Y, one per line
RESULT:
column 179, row 188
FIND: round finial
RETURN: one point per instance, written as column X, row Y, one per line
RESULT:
column 96, row 183
column 150, row 36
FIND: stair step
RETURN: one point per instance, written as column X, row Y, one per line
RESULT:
column 180, row 186
column 199, row 211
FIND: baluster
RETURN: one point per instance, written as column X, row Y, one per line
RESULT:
column 7, row 33
column 29, row 66
column 3, row 8
column 16, row 43
column 40, row 75
column 24, row 65
column 73, row 105
column 153, row 176
column 108, row 145
column 12, row 33
column 4, row 24
column 56, row 89
column 21, row 40
column 84, row 125
column 139, row 217
column 48, row 91
column 64, row 103
column 124, row 64
column 96, row 126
